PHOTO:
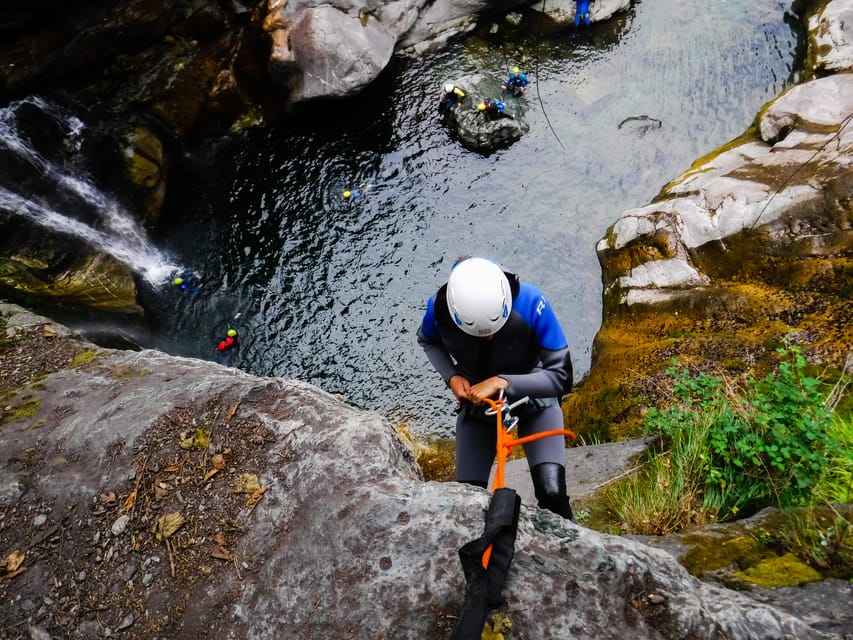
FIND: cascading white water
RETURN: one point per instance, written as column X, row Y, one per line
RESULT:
column 117, row 234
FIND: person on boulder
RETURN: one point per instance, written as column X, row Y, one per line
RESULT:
column 485, row 331
column 516, row 83
column 451, row 98
column 582, row 13
column 493, row 110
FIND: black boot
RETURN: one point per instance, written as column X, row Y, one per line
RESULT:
column 549, row 485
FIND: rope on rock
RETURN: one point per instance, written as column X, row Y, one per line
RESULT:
column 785, row 182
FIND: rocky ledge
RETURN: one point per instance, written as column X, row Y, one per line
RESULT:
column 151, row 496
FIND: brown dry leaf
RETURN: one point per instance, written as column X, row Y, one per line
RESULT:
column 167, row 524
column 211, row 473
column 13, row 560
column 107, row 498
column 252, row 500
column 219, row 539
column 173, row 467
column 160, row 492
column 246, row 483
column 49, row 331
column 12, row 574
column 220, row 552
column 130, row 501
column 231, row 412
column 218, row 461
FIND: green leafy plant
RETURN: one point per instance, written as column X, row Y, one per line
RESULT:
column 725, row 450
column 768, row 445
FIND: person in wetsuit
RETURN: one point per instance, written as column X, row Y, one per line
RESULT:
column 582, row 13
column 516, row 82
column 450, row 99
column 483, row 332
column 493, row 110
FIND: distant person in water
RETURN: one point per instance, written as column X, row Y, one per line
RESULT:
column 516, row 83
column 228, row 345
column 352, row 194
column 188, row 280
column 582, row 13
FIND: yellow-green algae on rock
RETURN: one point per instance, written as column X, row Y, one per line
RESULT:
column 785, row 571
column 709, row 554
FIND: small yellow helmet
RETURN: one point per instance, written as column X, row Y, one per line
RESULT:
column 515, row 69
column 231, row 333
column 178, row 281
column 481, row 106
column 347, row 193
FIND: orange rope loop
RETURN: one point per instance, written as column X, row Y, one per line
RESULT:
column 505, row 445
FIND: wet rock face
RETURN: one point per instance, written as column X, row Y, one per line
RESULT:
column 189, row 499
column 42, row 155
column 749, row 246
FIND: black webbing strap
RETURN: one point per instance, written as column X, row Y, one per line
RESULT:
column 484, row 586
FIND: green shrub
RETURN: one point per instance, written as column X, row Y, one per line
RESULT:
column 771, row 444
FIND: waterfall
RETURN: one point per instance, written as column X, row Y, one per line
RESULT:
column 115, row 231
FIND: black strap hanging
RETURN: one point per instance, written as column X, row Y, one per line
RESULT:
column 485, row 584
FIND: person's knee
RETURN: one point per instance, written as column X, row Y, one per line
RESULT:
column 549, row 486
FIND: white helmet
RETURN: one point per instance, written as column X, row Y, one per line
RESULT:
column 479, row 297
column 448, row 87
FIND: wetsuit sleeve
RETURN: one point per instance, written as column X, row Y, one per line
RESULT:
column 429, row 337
column 553, row 376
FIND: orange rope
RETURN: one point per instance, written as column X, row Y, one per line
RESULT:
column 505, row 445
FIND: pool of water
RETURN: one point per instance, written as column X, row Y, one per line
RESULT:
column 332, row 291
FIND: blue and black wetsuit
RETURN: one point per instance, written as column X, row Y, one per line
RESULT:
column 516, row 83
column 582, row 13
column 530, row 352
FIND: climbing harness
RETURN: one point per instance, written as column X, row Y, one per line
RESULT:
column 506, row 422
column 486, row 560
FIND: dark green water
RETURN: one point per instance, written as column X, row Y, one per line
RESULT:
column 332, row 291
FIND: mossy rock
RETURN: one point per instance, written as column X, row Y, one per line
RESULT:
column 784, row 571
column 712, row 554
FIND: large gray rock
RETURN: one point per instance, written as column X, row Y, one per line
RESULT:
column 185, row 500
column 338, row 53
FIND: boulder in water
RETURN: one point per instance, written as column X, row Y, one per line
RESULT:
column 477, row 131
